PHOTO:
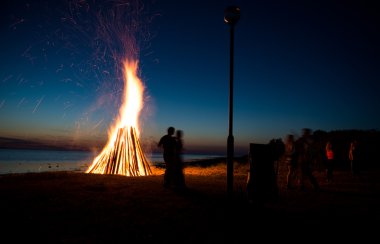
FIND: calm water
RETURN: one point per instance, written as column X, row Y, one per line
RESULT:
column 23, row 161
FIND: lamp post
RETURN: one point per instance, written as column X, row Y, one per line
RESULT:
column 231, row 17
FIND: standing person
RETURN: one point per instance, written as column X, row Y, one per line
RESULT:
column 291, row 161
column 354, row 158
column 179, row 175
column 329, row 162
column 305, row 159
column 168, row 142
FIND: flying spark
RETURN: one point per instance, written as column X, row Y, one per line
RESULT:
column 38, row 104
column 21, row 102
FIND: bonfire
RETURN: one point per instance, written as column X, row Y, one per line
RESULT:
column 123, row 154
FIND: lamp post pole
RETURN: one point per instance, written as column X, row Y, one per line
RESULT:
column 231, row 16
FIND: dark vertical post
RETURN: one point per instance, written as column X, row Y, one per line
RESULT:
column 230, row 139
column 231, row 16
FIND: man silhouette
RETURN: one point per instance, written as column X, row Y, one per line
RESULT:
column 168, row 142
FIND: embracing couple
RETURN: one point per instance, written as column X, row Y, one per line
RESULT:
column 172, row 153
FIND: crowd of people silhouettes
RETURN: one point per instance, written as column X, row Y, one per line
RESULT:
column 301, row 155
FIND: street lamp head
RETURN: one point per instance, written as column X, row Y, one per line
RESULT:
column 231, row 15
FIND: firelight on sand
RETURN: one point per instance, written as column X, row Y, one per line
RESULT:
column 123, row 154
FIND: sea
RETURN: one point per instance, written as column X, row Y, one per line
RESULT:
column 28, row 161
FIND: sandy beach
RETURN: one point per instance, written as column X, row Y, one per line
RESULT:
column 75, row 207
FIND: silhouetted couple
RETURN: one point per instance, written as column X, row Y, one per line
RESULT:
column 172, row 153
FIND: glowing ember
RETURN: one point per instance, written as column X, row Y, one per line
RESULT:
column 123, row 154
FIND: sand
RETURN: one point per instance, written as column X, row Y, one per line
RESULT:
column 75, row 207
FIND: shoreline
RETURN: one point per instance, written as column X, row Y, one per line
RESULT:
column 13, row 161
column 48, row 166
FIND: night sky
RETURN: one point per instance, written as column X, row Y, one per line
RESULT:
column 298, row 64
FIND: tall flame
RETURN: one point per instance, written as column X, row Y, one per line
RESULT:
column 123, row 154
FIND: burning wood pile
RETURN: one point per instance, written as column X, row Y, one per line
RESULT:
column 123, row 154
column 125, row 157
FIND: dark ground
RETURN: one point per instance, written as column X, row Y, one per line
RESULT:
column 72, row 207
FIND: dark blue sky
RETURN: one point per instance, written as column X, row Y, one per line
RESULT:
column 298, row 64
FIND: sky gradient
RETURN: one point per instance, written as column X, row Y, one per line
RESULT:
column 297, row 64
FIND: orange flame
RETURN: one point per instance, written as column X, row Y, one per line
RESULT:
column 123, row 154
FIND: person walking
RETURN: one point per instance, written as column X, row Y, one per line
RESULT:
column 329, row 162
column 169, row 145
column 305, row 159
column 291, row 161
column 354, row 158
